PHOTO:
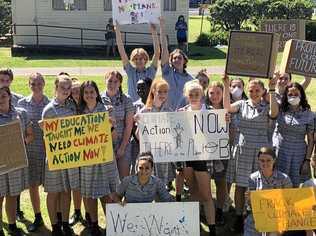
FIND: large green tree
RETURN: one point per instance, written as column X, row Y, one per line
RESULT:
column 5, row 16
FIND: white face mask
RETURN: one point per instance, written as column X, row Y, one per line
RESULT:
column 294, row 100
column 236, row 93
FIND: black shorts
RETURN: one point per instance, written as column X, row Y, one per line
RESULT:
column 197, row 165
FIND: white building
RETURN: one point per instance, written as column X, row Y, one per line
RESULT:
column 82, row 15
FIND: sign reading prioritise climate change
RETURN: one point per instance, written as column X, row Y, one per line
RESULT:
column 76, row 141
column 127, row 12
column 184, row 136
column 284, row 209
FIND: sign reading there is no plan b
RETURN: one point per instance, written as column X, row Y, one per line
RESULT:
column 252, row 54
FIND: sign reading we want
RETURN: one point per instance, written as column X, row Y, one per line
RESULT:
column 76, row 141
column 127, row 12
column 185, row 136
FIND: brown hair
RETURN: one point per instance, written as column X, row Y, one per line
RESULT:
column 268, row 151
column 36, row 75
column 62, row 78
column 156, row 84
column 185, row 57
column 7, row 72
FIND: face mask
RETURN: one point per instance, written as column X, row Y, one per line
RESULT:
column 236, row 93
column 294, row 100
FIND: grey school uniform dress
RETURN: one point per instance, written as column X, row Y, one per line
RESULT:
column 60, row 180
column 253, row 134
column 36, row 149
column 289, row 140
column 134, row 192
column 176, row 83
column 134, row 76
column 122, row 106
column 14, row 182
column 258, row 182
column 164, row 170
column 15, row 98
column 99, row 180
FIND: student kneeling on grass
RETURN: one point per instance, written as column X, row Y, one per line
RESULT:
column 142, row 187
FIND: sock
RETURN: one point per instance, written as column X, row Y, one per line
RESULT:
column 38, row 216
column 178, row 197
column 77, row 212
column 12, row 227
column 59, row 217
column 18, row 204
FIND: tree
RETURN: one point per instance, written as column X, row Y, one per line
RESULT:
column 5, row 16
column 231, row 14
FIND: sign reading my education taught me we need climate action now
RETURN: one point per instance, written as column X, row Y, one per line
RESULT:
column 78, row 141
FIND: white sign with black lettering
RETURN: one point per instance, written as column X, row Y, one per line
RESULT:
column 185, row 136
column 137, row 219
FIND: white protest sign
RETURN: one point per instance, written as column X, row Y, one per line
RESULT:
column 185, row 136
column 136, row 219
column 136, row 11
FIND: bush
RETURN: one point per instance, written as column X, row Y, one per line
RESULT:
column 218, row 35
column 203, row 40
column 311, row 30
column 5, row 16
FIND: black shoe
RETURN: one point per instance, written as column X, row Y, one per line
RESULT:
column 57, row 232
column 95, row 231
column 238, row 224
column 219, row 217
column 67, row 231
column 15, row 232
column 20, row 216
column 75, row 218
column 212, row 230
column 35, row 225
column 1, row 232
column 170, row 187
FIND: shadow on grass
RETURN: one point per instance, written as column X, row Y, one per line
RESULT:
column 205, row 53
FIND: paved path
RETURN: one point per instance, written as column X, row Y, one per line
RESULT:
column 89, row 71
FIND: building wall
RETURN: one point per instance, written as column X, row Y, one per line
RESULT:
column 41, row 12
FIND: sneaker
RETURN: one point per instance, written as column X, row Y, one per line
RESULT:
column 76, row 218
column 170, row 187
column 219, row 217
column 35, row 225
column 238, row 224
column 20, row 216
column 228, row 205
column 15, row 232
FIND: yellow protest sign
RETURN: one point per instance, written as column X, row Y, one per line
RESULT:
column 76, row 141
column 284, row 209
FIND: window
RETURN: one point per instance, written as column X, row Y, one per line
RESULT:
column 70, row 5
column 107, row 5
column 170, row 5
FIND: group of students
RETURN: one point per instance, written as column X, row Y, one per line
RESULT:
column 271, row 138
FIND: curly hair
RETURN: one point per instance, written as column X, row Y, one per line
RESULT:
column 285, row 105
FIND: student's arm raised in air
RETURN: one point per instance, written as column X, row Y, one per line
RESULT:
column 120, row 45
column 153, row 30
column 274, row 106
column 232, row 108
column 164, row 43
column 306, row 82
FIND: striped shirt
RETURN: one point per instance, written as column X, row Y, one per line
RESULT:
column 134, row 192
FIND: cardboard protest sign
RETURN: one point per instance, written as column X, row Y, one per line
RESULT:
column 284, row 209
column 299, row 57
column 76, row 141
column 287, row 29
column 13, row 155
column 184, row 136
column 252, row 54
column 136, row 11
column 151, row 219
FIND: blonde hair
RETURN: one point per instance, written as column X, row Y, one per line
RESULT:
column 216, row 84
column 156, row 84
column 75, row 83
column 62, row 78
column 192, row 85
column 139, row 52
